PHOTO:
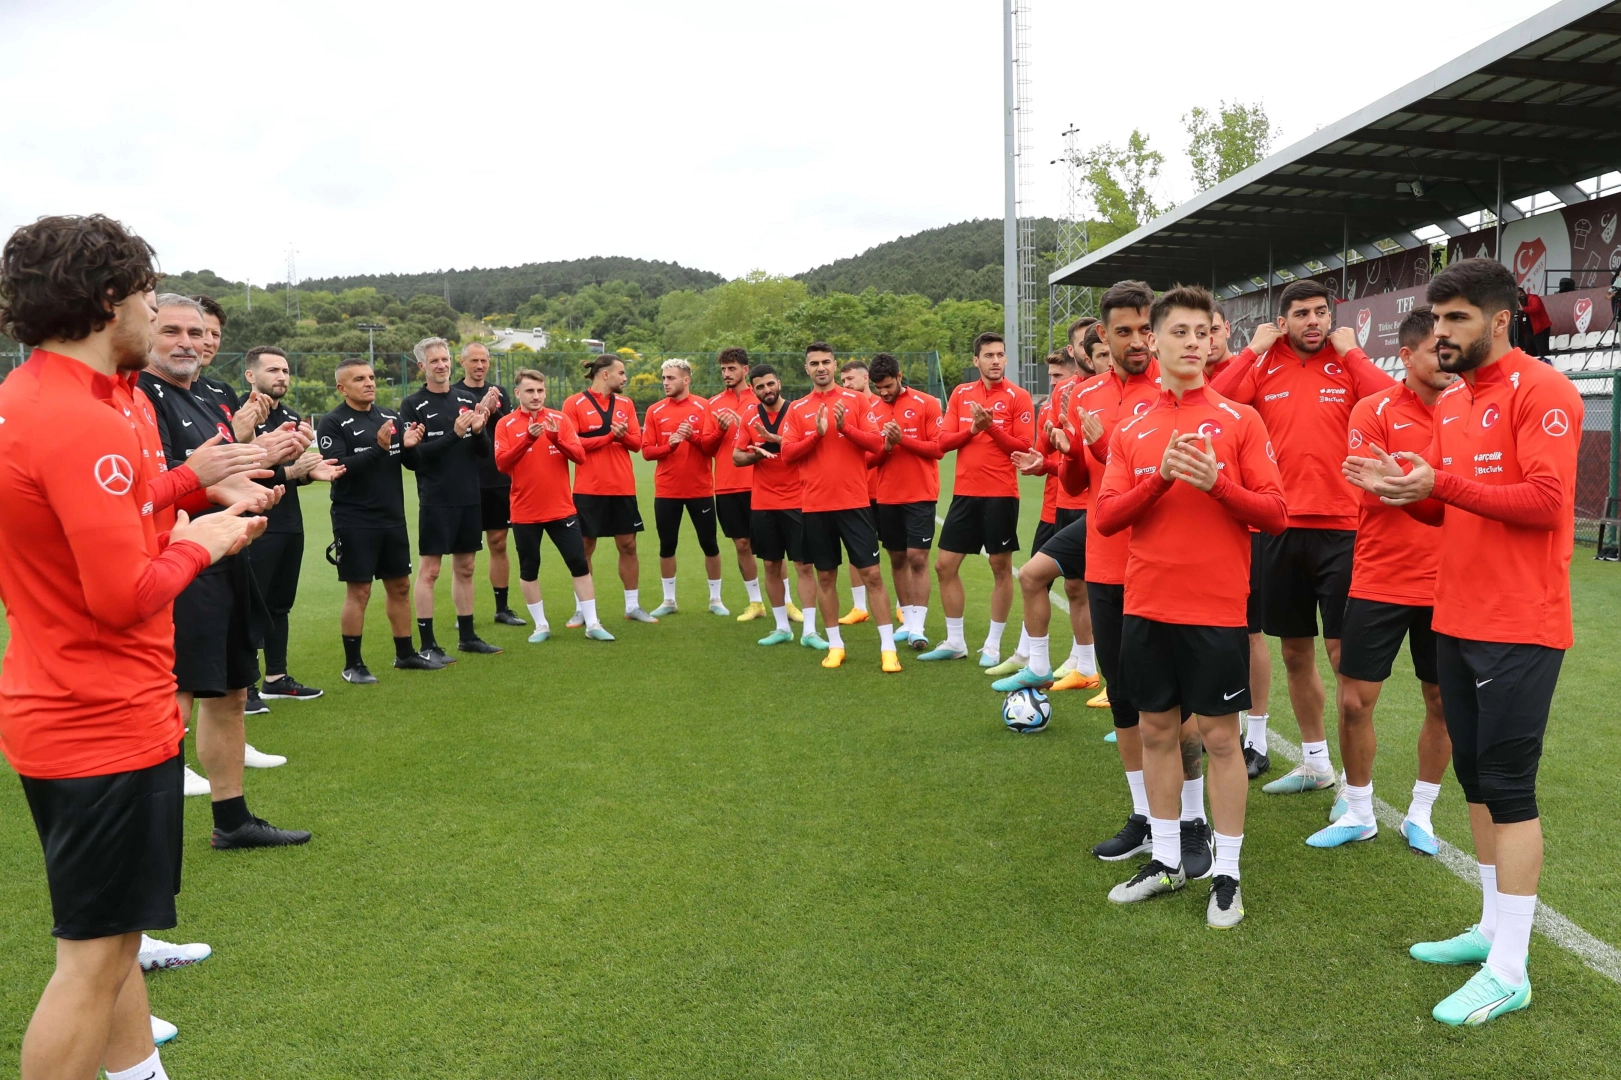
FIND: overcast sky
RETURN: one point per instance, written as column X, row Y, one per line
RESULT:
column 723, row 134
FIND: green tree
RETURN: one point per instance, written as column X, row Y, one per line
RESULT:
column 1227, row 142
column 1120, row 182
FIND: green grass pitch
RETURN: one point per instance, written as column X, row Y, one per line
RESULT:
column 681, row 855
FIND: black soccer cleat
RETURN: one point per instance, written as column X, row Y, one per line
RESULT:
column 255, row 705
column 256, row 833
column 1129, row 841
column 435, row 654
column 478, row 645
column 506, row 617
column 288, row 688
column 1197, row 857
column 418, row 662
column 1256, row 763
column 360, row 675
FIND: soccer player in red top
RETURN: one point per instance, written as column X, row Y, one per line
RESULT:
column 985, row 421
column 828, row 435
column 605, row 482
column 534, row 445
column 680, row 433
column 908, row 473
column 777, row 526
column 855, row 377
column 1500, row 475
column 1190, row 477
column 88, row 717
column 1303, row 376
column 1392, row 597
column 733, row 482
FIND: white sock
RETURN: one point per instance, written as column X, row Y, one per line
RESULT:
column 920, row 615
column 835, row 639
column 669, row 589
column 588, row 611
column 886, row 637
column 1227, row 848
column 954, row 638
column 714, row 590
column 1315, row 756
column 781, row 615
column 1193, row 799
column 576, row 605
column 1040, row 661
column 1418, row 811
column 1488, row 902
column 1023, row 650
column 1167, row 833
column 993, row 639
column 753, row 588
column 633, row 600
column 1515, row 915
column 809, row 611
column 1084, row 658
column 858, row 597
column 1139, row 792
column 537, row 612
column 150, row 1069
column 1360, row 803
column 1256, row 734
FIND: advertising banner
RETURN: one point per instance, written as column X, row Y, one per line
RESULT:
column 1377, row 318
column 1580, row 242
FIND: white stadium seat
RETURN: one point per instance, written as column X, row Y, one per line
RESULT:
column 1565, row 362
column 1559, row 343
column 1607, row 338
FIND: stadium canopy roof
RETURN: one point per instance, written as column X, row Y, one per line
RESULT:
column 1541, row 102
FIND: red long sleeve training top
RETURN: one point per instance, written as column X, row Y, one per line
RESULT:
column 1396, row 557
column 833, row 466
column 87, row 686
column 983, row 465
column 777, row 485
column 911, row 471
column 607, row 468
column 1111, row 400
column 538, row 465
column 1189, row 560
column 1306, row 406
column 730, row 476
column 1504, row 452
column 684, row 470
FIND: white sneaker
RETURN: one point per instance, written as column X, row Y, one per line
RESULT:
column 255, row 759
column 196, row 785
column 163, row 1031
column 158, row 955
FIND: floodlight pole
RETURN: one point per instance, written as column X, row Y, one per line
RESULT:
column 1497, row 240
column 371, row 339
column 1010, row 219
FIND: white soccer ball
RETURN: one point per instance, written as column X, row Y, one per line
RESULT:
column 1026, row 711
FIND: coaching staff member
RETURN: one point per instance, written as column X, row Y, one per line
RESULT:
column 88, row 716
column 494, row 486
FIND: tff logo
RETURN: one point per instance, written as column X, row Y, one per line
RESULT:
column 1364, row 325
column 1490, row 416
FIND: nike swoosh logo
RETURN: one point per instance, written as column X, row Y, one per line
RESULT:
column 1229, row 697
column 927, row 539
column 1145, row 434
column 567, row 523
column 708, row 508
column 1408, row 424
column 1449, row 420
column 185, row 423
column 1270, row 370
column 1482, row 682
column 431, row 415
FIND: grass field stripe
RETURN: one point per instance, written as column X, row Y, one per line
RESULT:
column 1601, row 956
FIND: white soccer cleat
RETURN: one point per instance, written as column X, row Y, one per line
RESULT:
column 258, row 759
column 162, row 1031
column 158, row 955
column 196, row 785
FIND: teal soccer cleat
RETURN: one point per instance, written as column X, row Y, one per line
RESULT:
column 814, row 641
column 1341, row 832
column 989, row 659
column 595, row 632
column 944, row 653
column 1301, row 779
column 1419, row 839
column 1023, row 679
column 1484, row 997
column 1469, row 947
column 666, row 608
column 538, row 636
column 777, row 637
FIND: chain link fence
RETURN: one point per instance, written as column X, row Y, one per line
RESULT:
column 1598, row 469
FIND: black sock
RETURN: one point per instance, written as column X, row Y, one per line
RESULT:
column 231, row 814
column 425, row 629
column 351, row 651
column 501, row 600
column 403, row 647
column 464, row 628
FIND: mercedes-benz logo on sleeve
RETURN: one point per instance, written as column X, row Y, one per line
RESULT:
column 1555, row 422
column 114, row 474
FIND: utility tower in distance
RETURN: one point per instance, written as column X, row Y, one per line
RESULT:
column 1066, row 303
column 292, row 286
column 1018, row 230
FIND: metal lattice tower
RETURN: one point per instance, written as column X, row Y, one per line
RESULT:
column 1028, row 373
column 1067, row 302
column 292, row 286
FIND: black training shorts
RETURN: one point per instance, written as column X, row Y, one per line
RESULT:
column 825, row 529
column 215, row 647
column 1373, row 632
column 449, row 530
column 906, row 526
column 1067, row 548
column 495, row 507
column 1045, row 531
column 732, row 511
column 566, row 536
column 776, row 535
column 1255, row 607
column 112, row 849
column 990, row 522
column 365, row 554
column 1307, row 571
column 1107, row 605
column 1203, row 669
column 667, row 520
column 608, row 515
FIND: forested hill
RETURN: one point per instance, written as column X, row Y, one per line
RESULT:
column 504, row 289
column 954, row 262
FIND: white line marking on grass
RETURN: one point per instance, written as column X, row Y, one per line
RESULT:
column 1601, row 956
